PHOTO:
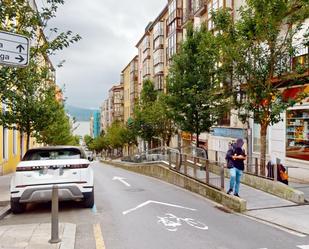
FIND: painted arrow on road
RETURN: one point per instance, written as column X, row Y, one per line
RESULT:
column 121, row 179
column 156, row 202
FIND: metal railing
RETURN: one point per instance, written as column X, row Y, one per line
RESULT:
column 199, row 168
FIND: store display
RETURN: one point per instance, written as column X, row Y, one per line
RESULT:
column 297, row 134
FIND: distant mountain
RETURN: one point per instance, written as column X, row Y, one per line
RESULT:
column 81, row 114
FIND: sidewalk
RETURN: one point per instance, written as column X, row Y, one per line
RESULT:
column 30, row 236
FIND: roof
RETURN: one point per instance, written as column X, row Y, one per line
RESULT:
column 56, row 147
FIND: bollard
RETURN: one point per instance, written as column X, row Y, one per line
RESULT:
column 55, row 217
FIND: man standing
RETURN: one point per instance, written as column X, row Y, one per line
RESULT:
column 236, row 172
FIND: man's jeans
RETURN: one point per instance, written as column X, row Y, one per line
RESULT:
column 235, row 175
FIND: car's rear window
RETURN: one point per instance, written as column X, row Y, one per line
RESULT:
column 53, row 154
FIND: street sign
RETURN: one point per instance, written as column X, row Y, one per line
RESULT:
column 14, row 49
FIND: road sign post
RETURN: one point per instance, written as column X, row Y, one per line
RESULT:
column 14, row 49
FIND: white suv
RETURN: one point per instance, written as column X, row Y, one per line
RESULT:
column 41, row 168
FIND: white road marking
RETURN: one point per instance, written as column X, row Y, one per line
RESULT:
column 303, row 247
column 171, row 222
column 156, row 202
column 121, row 179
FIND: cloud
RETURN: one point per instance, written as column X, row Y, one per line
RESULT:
column 110, row 30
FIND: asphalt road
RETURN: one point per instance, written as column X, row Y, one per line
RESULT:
column 133, row 211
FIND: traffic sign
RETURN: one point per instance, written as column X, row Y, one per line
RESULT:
column 14, row 49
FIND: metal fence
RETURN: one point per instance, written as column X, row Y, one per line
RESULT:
column 199, row 168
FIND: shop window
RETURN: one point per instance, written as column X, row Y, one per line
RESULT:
column 297, row 134
column 256, row 136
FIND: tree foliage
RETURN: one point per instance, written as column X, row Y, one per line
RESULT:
column 152, row 117
column 195, row 95
column 258, row 51
column 26, row 92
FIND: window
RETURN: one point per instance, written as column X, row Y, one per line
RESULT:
column 297, row 134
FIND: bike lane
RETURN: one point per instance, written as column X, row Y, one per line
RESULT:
column 153, row 214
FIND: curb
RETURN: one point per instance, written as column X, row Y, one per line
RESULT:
column 4, row 211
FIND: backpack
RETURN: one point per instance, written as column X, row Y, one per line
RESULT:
column 228, row 157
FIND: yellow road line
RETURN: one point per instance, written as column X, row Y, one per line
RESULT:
column 98, row 236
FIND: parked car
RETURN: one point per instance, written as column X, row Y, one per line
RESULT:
column 41, row 168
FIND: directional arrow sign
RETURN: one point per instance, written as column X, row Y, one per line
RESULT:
column 14, row 49
column 121, row 179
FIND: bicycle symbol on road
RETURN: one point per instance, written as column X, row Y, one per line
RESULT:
column 172, row 222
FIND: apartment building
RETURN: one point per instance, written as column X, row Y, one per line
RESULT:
column 95, row 123
column 116, row 104
column 145, row 60
column 104, row 119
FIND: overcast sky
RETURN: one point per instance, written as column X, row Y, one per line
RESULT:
column 110, row 30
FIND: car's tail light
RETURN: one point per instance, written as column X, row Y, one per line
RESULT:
column 67, row 166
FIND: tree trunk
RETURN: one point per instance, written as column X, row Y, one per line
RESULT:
column 28, row 140
column 197, row 140
column 263, row 134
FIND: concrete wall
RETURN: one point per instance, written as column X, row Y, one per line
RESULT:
column 170, row 176
column 272, row 187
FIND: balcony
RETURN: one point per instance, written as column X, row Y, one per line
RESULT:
column 297, row 71
column 158, row 69
column 176, row 14
column 199, row 7
column 187, row 16
column 158, row 30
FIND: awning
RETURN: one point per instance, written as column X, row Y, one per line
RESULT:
column 293, row 93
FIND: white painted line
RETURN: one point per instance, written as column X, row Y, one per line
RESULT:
column 156, row 202
column 99, row 242
column 303, row 247
column 121, row 179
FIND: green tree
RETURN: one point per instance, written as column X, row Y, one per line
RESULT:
column 115, row 135
column 58, row 131
column 195, row 94
column 26, row 91
column 258, row 48
column 143, row 123
column 88, row 140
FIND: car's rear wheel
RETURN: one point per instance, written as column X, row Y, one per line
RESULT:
column 88, row 201
column 17, row 207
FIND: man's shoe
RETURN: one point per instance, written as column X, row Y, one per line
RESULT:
column 236, row 194
column 230, row 191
